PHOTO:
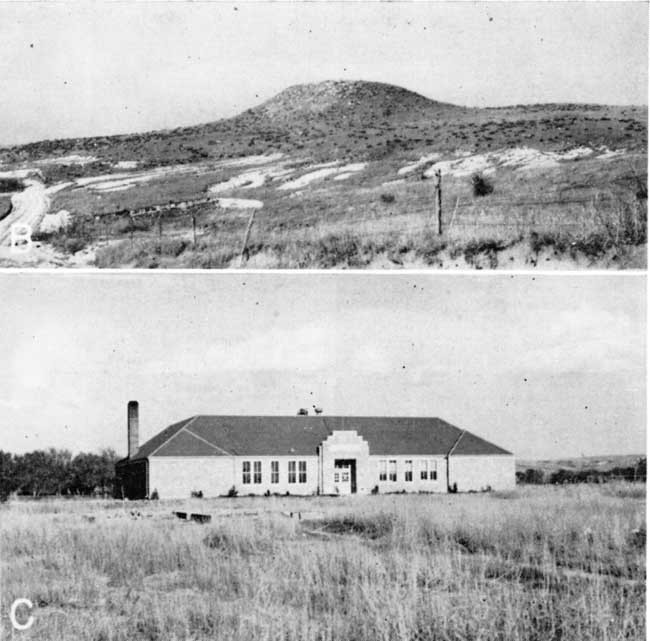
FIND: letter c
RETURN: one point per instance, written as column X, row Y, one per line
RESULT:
column 12, row 614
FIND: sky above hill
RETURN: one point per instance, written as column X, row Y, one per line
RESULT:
column 80, row 69
column 546, row 366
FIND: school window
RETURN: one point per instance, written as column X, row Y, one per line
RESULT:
column 408, row 471
column 246, row 472
column 382, row 470
column 424, row 470
column 292, row 472
column 302, row 471
column 392, row 470
column 433, row 470
column 275, row 471
column 257, row 472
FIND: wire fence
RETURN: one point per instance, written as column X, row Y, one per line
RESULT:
column 204, row 222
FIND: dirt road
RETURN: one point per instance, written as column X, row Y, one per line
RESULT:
column 29, row 206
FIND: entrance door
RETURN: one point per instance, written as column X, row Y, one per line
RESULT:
column 345, row 481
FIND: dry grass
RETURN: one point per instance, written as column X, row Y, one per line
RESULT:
column 539, row 563
column 584, row 211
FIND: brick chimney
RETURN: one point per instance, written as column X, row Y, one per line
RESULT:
column 132, row 426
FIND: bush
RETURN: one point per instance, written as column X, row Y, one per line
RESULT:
column 232, row 492
column 174, row 246
column 387, row 198
column 197, row 494
column 532, row 476
column 555, row 240
column 129, row 224
column 154, row 495
column 10, row 184
column 74, row 245
column 488, row 246
column 481, row 186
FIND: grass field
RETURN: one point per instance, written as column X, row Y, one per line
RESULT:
column 580, row 212
column 537, row 563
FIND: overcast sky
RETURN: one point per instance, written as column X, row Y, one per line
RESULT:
column 545, row 366
column 73, row 69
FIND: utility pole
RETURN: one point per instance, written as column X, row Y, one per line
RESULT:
column 438, row 187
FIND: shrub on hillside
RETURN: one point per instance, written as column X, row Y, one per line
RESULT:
column 481, row 186
column 10, row 184
column 129, row 224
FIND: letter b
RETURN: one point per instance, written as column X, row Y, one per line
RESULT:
column 21, row 237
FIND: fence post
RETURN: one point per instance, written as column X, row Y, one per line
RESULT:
column 160, row 234
column 194, row 228
column 438, row 186
column 246, row 237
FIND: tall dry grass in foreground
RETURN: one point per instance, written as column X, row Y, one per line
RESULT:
column 540, row 563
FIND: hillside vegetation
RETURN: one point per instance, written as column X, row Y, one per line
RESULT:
column 366, row 120
column 342, row 175
column 590, row 469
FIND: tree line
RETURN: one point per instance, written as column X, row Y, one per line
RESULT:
column 54, row 472
column 536, row 476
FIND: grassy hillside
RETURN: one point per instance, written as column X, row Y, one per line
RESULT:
column 536, row 564
column 568, row 185
column 359, row 120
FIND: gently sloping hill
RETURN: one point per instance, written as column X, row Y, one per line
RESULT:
column 344, row 172
column 352, row 99
column 344, row 120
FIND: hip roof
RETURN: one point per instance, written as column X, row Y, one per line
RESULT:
column 301, row 436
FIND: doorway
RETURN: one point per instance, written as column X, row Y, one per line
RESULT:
column 345, row 476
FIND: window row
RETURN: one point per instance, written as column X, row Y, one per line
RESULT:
column 252, row 472
column 388, row 470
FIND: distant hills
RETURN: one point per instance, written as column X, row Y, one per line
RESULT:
column 601, row 463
